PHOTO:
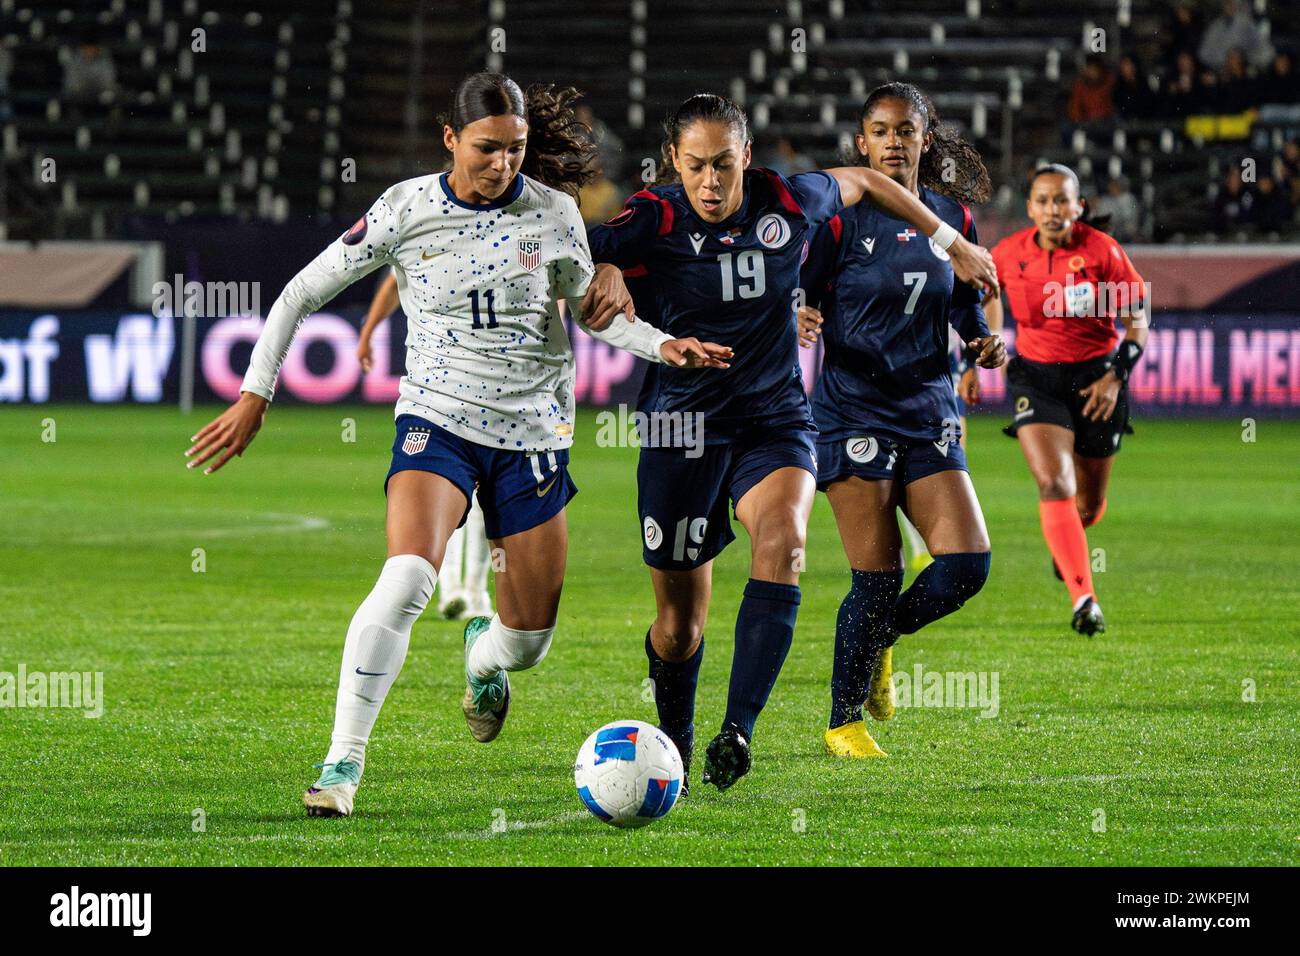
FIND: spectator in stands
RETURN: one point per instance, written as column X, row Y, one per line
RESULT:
column 89, row 76
column 1181, row 32
column 1236, row 91
column 1092, row 96
column 1233, row 204
column 1133, row 98
column 6, row 67
column 1279, row 83
column 786, row 159
column 1286, row 169
column 1234, row 28
column 1122, row 207
column 609, row 148
column 1186, row 90
column 1271, row 210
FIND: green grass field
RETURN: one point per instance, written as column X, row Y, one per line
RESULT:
column 219, row 686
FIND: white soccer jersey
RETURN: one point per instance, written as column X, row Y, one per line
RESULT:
column 487, row 354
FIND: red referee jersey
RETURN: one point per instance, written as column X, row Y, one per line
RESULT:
column 1065, row 301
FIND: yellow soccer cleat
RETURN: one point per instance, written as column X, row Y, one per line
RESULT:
column 852, row 740
column 881, row 698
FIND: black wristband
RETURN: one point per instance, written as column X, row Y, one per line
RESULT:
column 1124, row 360
column 969, row 357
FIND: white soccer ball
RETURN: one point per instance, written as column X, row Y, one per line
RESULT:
column 628, row 773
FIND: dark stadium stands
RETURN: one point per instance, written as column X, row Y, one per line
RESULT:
column 251, row 111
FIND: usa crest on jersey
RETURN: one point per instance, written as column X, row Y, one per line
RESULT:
column 415, row 442
column 530, row 253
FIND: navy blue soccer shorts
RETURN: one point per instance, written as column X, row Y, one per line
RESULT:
column 877, row 458
column 517, row 490
column 683, row 502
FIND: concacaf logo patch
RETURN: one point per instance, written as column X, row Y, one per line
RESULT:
column 356, row 233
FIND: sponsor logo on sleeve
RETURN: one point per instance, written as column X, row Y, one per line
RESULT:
column 356, row 233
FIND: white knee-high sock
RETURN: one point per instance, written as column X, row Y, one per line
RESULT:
column 375, row 650
column 478, row 553
column 508, row 649
column 450, row 579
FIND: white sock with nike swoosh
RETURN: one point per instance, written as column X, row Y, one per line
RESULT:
column 375, row 649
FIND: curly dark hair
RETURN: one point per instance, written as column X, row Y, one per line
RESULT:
column 707, row 107
column 560, row 151
column 948, row 151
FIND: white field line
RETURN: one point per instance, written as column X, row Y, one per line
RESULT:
column 278, row 523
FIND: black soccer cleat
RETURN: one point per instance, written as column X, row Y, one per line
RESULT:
column 1088, row 620
column 727, row 759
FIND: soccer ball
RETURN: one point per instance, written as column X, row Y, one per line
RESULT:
column 628, row 773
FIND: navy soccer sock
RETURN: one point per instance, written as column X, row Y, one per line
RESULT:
column 940, row 589
column 864, row 625
column 675, row 695
column 764, row 630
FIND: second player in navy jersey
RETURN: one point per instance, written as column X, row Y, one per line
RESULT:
column 720, row 250
column 885, row 407
column 888, row 296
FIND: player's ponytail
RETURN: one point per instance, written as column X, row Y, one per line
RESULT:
column 702, row 107
column 560, row 149
column 1100, row 222
column 951, row 166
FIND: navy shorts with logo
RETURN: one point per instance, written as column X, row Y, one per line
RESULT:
column 877, row 458
column 1047, row 393
column 683, row 501
column 517, row 490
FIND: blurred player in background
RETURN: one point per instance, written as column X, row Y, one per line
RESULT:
column 483, row 253
column 1066, row 283
column 462, row 579
column 721, row 246
column 887, row 414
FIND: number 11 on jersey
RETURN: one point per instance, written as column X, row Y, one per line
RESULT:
column 491, row 313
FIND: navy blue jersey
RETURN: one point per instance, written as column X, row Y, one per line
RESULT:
column 887, row 297
column 733, row 283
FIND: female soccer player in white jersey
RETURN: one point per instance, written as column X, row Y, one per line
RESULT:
column 483, row 254
column 462, row 579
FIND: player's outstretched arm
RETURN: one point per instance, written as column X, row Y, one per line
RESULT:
column 970, row 262
column 229, row 433
column 382, row 307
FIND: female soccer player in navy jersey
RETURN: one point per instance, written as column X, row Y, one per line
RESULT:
column 1066, row 284
column 887, row 415
column 483, row 254
column 721, row 250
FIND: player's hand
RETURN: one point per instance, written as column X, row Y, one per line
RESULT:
column 1101, row 395
column 992, row 351
column 364, row 355
column 974, row 264
column 692, row 353
column 810, row 326
column 968, row 386
column 230, row 432
column 606, row 297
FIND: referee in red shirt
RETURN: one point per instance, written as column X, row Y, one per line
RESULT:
column 1065, row 284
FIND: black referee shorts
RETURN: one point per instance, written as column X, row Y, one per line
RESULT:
column 1047, row 393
